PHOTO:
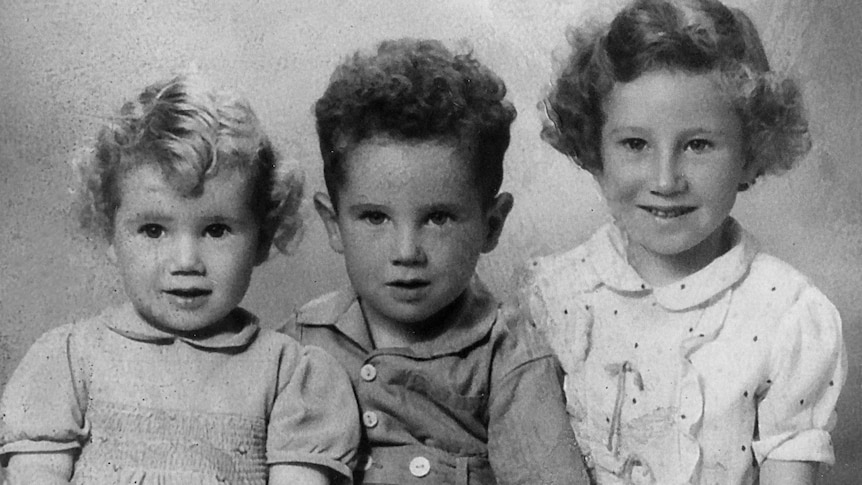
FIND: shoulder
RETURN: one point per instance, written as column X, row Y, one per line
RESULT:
column 81, row 334
column 325, row 309
column 777, row 286
column 570, row 269
column 515, row 338
column 779, row 295
column 294, row 359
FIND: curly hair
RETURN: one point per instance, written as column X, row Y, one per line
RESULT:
column 189, row 132
column 694, row 36
column 415, row 90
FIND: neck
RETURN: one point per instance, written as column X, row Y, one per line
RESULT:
column 389, row 333
column 664, row 269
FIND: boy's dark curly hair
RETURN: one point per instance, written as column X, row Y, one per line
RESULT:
column 694, row 36
column 415, row 90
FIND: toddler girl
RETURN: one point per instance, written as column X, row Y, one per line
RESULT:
column 691, row 356
column 180, row 386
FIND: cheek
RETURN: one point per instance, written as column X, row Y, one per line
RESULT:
column 460, row 251
column 617, row 189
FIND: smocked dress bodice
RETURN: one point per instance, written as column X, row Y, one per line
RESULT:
column 141, row 406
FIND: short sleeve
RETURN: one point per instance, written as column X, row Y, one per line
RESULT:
column 315, row 418
column 809, row 366
column 42, row 408
column 529, row 437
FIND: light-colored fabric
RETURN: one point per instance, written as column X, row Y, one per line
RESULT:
column 696, row 382
column 145, row 406
column 480, row 404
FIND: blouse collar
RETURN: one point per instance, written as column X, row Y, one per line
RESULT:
column 125, row 321
column 607, row 249
column 473, row 319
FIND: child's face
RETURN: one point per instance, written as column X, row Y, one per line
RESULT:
column 672, row 160
column 411, row 227
column 186, row 262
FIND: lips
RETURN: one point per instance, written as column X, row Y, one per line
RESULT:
column 411, row 284
column 668, row 212
column 188, row 292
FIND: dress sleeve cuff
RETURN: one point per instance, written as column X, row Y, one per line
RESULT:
column 311, row 459
column 809, row 445
column 31, row 446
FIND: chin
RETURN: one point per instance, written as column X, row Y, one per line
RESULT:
column 185, row 323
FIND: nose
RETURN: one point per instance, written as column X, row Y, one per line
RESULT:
column 409, row 249
column 186, row 257
column 668, row 176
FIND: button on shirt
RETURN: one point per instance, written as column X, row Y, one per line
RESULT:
column 670, row 383
column 480, row 404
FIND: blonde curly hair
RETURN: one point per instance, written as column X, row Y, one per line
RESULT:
column 190, row 132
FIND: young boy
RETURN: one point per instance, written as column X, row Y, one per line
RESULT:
column 453, row 388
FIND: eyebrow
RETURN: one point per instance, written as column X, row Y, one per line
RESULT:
column 364, row 206
column 150, row 215
column 162, row 217
column 442, row 207
column 637, row 130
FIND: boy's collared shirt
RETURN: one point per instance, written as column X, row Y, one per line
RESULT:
column 483, row 395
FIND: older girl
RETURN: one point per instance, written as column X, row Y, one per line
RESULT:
column 691, row 356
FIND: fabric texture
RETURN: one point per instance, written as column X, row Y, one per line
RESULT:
column 696, row 382
column 145, row 406
column 480, row 404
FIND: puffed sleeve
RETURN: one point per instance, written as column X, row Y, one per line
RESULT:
column 529, row 437
column 42, row 408
column 550, row 300
column 809, row 365
column 315, row 418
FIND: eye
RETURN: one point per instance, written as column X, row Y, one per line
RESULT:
column 634, row 144
column 699, row 145
column 439, row 218
column 152, row 231
column 216, row 230
column 375, row 218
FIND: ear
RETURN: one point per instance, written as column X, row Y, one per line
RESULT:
column 749, row 174
column 495, row 218
column 329, row 216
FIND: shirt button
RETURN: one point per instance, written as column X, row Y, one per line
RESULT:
column 420, row 466
column 368, row 372
column 369, row 419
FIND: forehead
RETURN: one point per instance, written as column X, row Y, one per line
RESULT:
column 420, row 170
column 664, row 97
column 148, row 186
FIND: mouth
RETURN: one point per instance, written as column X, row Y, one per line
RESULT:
column 668, row 212
column 411, row 284
column 188, row 293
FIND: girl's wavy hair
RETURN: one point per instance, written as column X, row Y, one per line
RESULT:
column 415, row 90
column 693, row 36
column 190, row 133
